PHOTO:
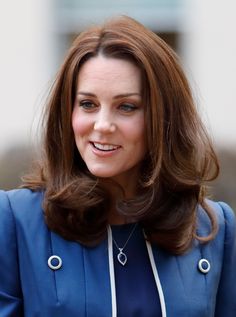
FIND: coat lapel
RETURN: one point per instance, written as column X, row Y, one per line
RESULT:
column 184, row 287
column 82, row 283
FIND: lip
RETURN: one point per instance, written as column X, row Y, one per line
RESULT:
column 104, row 153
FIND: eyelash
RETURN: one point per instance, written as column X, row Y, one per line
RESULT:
column 87, row 105
column 127, row 108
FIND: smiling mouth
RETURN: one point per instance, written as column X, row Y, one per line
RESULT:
column 105, row 147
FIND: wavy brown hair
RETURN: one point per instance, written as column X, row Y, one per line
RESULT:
column 180, row 159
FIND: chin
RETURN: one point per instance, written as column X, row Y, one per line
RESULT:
column 101, row 173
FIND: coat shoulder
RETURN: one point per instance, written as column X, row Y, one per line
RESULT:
column 21, row 206
column 224, row 214
column 22, row 197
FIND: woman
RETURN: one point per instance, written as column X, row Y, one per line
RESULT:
column 115, row 220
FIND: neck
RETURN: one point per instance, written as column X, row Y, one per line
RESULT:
column 114, row 218
column 118, row 191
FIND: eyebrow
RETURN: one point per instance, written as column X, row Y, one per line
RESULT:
column 84, row 93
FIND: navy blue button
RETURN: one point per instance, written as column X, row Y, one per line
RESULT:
column 54, row 262
column 204, row 266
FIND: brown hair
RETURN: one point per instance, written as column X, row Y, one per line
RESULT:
column 180, row 157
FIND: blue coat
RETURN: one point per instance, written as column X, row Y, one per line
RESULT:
column 82, row 286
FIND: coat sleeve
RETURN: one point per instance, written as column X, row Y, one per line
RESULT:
column 226, row 295
column 10, row 290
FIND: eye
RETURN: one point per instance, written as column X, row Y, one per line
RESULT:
column 87, row 105
column 127, row 107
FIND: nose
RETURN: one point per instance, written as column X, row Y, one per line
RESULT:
column 104, row 123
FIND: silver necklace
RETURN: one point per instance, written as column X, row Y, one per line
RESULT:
column 121, row 256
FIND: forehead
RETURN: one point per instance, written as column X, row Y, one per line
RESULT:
column 110, row 72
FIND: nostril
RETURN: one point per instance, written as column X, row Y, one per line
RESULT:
column 104, row 126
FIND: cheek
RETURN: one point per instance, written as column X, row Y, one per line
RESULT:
column 79, row 124
column 135, row 133
column 137, row 130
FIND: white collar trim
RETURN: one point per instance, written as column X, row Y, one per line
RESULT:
column 112, row 275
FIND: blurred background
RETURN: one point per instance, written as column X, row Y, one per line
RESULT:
column 36, row 34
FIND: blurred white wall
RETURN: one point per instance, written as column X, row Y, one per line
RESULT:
column 210, row 55
column 29, row 49
column 25, row 66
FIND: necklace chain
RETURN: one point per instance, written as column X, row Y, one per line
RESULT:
column 121, row 256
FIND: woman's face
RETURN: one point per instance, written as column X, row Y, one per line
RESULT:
column 108, row 118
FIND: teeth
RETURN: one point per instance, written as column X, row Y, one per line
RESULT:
column 105, row 147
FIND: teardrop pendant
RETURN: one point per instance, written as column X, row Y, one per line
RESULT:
column 121, row 257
